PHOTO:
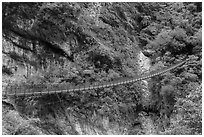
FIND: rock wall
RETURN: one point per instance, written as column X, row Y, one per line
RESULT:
column 144, row 67
column 146, row 121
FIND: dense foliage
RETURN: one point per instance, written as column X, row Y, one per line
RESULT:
column 89, row 43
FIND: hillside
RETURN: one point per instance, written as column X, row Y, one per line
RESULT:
column 82, row 44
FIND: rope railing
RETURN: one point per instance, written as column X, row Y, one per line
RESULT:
column 42, row 89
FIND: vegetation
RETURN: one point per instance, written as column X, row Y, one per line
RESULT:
column 76, row 43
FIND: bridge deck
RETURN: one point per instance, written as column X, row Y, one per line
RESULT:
column 41, row 89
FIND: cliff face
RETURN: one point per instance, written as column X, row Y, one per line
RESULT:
column 96, row 35
column 60, row 43
column 144, row 67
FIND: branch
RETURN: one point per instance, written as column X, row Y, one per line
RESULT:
column 17, row 45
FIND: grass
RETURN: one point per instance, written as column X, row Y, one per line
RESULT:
column 57, row 119
column 14, row 124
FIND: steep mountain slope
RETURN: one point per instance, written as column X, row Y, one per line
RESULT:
column 91, row 43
